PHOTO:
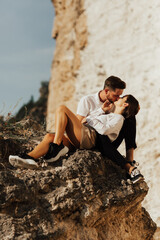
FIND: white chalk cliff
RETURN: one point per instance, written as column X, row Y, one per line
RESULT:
column 96, row 39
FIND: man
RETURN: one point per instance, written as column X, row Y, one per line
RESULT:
column 113, row 88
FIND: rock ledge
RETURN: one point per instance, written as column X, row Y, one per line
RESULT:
column 80, row 197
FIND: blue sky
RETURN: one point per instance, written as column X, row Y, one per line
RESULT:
column 26, row 50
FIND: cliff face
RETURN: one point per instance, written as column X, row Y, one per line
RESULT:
column 70, row 32
column 96, row 39
column 80, row 197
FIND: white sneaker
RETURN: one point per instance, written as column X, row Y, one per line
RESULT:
column 20, row 162
column 136, row 176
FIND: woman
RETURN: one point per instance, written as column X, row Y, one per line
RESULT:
column 79, row 135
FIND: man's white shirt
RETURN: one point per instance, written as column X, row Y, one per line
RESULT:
column 88, row 104
column 106, row 124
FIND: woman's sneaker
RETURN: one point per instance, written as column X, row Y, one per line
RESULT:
column 23, row 161
column 134, row 163
column 136, row 175
column 55, row 152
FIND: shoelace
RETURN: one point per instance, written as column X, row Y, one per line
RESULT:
column 134, row 163
column 135, row 172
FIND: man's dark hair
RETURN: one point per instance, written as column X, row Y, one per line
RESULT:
column 133, row 107
column 113, row 82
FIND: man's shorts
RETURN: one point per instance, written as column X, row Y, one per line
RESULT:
column 88, row 137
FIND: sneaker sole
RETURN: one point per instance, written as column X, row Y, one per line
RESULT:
column 140, row 179
column 18, row 162
column 60, row 154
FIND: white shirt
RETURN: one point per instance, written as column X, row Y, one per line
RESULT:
column 88, row 104
column 106, row 124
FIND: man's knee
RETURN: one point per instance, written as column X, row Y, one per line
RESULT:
column 49, row 137
column 61, row 108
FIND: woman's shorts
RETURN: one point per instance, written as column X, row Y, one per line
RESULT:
column 88, row 137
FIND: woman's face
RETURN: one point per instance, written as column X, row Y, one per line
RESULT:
column 120, row 101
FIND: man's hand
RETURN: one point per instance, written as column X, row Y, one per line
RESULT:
column 107, row 105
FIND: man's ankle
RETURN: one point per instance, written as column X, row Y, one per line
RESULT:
column 57, row 142
column 30, row 155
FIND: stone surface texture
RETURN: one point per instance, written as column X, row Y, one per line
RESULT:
column 80, row 197
column 96, row 39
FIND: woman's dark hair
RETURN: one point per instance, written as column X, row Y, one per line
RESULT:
column 133, row 107
column 113, row 82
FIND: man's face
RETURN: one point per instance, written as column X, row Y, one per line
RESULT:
column 113, row 96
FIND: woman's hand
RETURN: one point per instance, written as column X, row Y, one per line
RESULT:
column 84, row 120
column 107, row 105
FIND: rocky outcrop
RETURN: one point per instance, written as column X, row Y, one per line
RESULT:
column 81, row 196
column 116, row 38
column 18, row 137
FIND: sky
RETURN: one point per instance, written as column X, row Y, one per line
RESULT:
column 26, row 50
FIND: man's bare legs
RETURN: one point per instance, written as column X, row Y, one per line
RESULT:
column 67, row 121
column 42, row 148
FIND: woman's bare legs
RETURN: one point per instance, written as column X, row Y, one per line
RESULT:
column 128, row 168
column 67, row 121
